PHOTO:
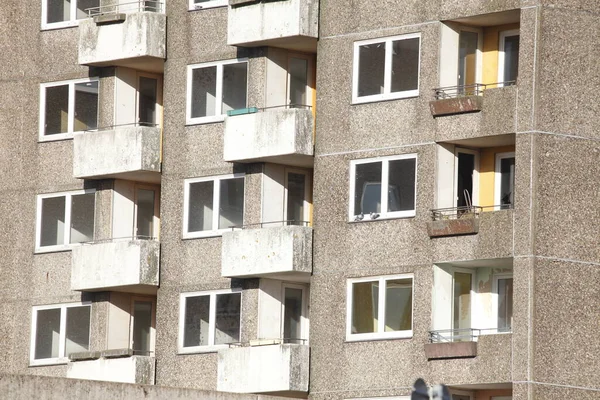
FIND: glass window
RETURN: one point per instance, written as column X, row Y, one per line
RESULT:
column 296, row 195
column 65, row 218
column 461, row 302
column 386, row 68
column 380, row 308
column 369, row 178
column 215, row 88
column 145, row 213
column 505, row 303
column 505, row 174
column 292, row 314
column 209, row 319
column 59, row 13
column 142, row 327
column 59, row 331
column 68, row 107
column 213, row 204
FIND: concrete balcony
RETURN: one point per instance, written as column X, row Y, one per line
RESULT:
column 282, row 136
column 98, row 366
column 264, row 369
column 126, row 152
column 289, row 24
column 117, row 265
column 279, row 253
column 127, row 39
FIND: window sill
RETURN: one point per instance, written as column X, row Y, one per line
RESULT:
column 367, row 218
column 55, row 138
column 48, row 362
column 207, row 7
column 204, row 120
column 369, row 337
column 59, row 25
column 201, row 349
column 203, row 234
column 409, row 94
column 55, row 249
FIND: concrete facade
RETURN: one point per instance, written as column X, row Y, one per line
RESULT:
column 546, row 239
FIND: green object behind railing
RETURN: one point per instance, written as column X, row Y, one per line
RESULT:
column 242, row 111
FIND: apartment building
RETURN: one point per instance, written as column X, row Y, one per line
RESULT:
column 194, row 195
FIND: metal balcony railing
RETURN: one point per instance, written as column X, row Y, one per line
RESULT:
column 463, row 334
column 118, row 239
column 289, row 222
column 131, row 7
column 456, row 212
column 253, row 110
column 132, row 124
column 475, row 89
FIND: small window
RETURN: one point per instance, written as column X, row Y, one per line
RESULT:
column 64, row 219
column 209, row 320
column 213, row 205
column 380, row 308
column 369, row 179
column 63, row 13
column 505, row 181
column 386, row 68
column 215, row 88
column 58, row 331
column 201, row 4
column 67, row 107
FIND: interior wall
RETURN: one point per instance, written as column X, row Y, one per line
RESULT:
column 119, row 318
column 269, row 309
column 123, row 209
column 273, row 194
column 491, row 44
column 125, row 96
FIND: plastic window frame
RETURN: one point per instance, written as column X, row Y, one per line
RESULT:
column 186, row 234
column 70, row 111
column 381, row 334
column 67, row 224
column 387, row 78
column 62, row 358
column 189, row 120
column 384, row 184
column 211, row 347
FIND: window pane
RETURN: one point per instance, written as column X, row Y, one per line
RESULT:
column 234, row 86
column 53, row 221
column 58, row 11
column 47, row 333
column 231, row 209
column 507, row 182
column 505, row 304
column 77, row 337
column 367, row 192
column 467, row 59
column 145, row 213
column 292, row 316
column 147, row 101
column 56, row 110
column 86, row 106
column 298, row 76
column 204, row 91
column 511, row 58
column 195, row 330
column 398, row 305
column 365, row 306
column 227, row 324
column 200, row 205
column 371, row 67
column 295, row 198
column 401, row 189
column 466, row 169
column 405, row 65
column 142, row 323
column 82, row 217
column 462, row 300
column 83, row 5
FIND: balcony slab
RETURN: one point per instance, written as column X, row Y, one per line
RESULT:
column 134, row 369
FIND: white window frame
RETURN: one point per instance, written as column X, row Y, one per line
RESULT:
column 498, row 176
column 152, row 323
column 475, row 199
column 216, row 201
column 209, row 4
column 62, row 358
column 304, row 318
column 384, row 184
column 67, row 234
column 472, row 294
column 218, row 94
column 62, row 24
column 307, row 194
column 387, row 78
column 211, row 347
column 495, row 279
column 156, row 219
column 502, row 37
column 381, row 334
column 478, row 54
column 70, row 111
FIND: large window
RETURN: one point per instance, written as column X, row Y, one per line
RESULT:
column 209, row 320
column 201, row 4
column 379, row 307
column 67, row 107
column 62, row 13
column 386, row 68
column 383, row 187
column 64, row 219
column 212, row 205
column 215, row 88
column 59, row 330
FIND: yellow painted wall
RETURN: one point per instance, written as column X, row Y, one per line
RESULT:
column 491, row 42
column 487, row 166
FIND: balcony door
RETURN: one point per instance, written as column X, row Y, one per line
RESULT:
column 466, row 177
column 462, row 303
column 146, row 212
column 508, row 57
column 469, row 60
column 149, row 100
column 300, row 80
column 503, row 293
column 297, row 197
column 143, row 323
column 504, row 180
column 294, row 313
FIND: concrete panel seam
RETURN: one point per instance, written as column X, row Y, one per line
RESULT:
column 558, row 385
column 559, row 134
column 395, row 28
column 375, row 149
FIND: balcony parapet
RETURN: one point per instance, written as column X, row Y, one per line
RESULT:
column 112, row 366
